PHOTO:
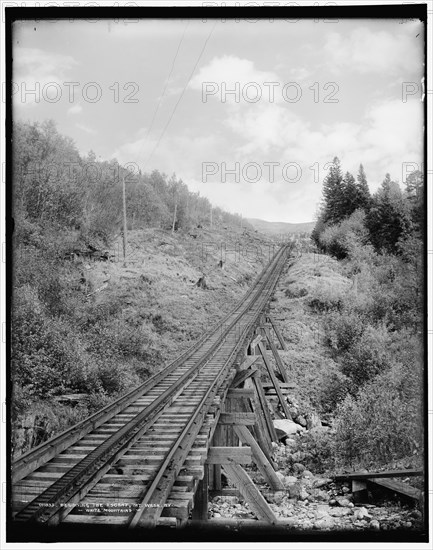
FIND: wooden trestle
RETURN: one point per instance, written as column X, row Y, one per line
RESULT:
column 245, row 431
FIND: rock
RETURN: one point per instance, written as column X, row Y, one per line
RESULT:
column 416, row 514
column 307, row 473
column 407, row 524
column 319, row 495
column 303, row 495
column 324, row 523
column 285, row 427
column 339, row 512
column 289, row 480
column 295, row 490
column 293, row 411
column 361, row 513
column 297, row 467
column 301, row 421
column 321, row 482
column 346, row 490
column 322, row 511
column 299, row 456
column 280, row 475
column 374, row 524
column 343, row 501
column 290, row 442
column 276, row 498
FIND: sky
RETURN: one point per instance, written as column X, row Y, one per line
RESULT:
column 248, row 113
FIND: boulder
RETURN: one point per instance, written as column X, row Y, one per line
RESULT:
column 289, row 480
column 294, row 490
column 298, row 468
column 361, row 513
column 343, row 502
column 301, row 421
column 374, row 524
column 321, row 482
column 299, row 456
column 324, row 523
column 285, row 427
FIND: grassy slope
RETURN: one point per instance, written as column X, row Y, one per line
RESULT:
column 151, row 311
column 307, row 358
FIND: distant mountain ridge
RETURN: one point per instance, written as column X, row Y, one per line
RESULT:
column 272, row 228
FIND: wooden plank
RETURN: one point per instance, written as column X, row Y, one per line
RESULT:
column 243, row 418
column 256, row 341
column 283, row 385
column 271, row 392
column 277, row 332
column 229, row 455
column 239, row 477
column 201, row 499
column 277, row 357
column 249, row 361
column 397, row 487
column 387, row 473
column 226, row 491
column 218, row 440
column 264, row 409
column 259, row 430
column 240, row 393
column 275, row 381
column 259, row 458
column 241, row 376
column 111, row 519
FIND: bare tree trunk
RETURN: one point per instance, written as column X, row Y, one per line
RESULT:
column 174, row 218
column 124, row 220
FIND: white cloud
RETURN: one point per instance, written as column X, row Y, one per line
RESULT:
column 229, row 72
column 86, row 129
column 45, row 72
column 369, row 51
column 75, row 109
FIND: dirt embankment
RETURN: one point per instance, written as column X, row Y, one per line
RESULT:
column 311, row 499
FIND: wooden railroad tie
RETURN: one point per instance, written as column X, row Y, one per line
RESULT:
column 362, row 480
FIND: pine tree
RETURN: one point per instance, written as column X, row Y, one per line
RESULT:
column 364, row 197
column 332, row 193
column 389, row 217
column 349, row 199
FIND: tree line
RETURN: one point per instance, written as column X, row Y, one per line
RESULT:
column 385, row 219
column 55, row 186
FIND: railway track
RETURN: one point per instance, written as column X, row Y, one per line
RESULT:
column 138, row 461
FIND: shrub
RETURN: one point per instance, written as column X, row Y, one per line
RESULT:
column 326, row 299
column 380, row 424
column 344, row 330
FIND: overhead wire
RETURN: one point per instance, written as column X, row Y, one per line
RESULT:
column 167, row 80
column 181, row 94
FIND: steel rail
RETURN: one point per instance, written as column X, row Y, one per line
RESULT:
column 172, row 464
column 69, row 484
column 36, row 457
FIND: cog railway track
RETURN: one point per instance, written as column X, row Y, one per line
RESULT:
column 144, row 453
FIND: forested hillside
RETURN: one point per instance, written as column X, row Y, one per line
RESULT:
column 86, row 325
column 373, row 327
